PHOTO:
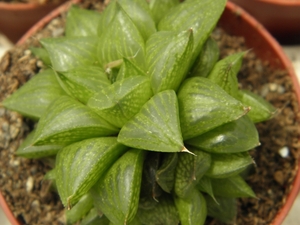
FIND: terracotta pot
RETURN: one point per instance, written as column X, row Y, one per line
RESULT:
column 236, row 22
column 280, row 17
column 17, row 18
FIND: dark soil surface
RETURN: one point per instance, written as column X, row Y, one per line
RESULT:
column 32, row 199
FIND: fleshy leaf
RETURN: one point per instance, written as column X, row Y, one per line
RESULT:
column 201, row 16
column 200, row 102
column 68, row 121
column 163, row 212
column 206, row 60
column 94, row 218
column 204, row 185
column 119, row 102
column 165, row 175
column 84, row 82
column 261, row 110
column 129, row 69
column 225, row 210
column 70, row 52
column 159, row 8
column 224, row 73
column 79, row 211
column 192, row 210
column 236, row 136
column 189, row 170
column 117, row 192
column 232, row 187
column 34, row 97
column 168, row 56
column 80, row 165
column 156, row 127
column 78, row 22
column 42, row 54
column 127, row 41
column 227, row 165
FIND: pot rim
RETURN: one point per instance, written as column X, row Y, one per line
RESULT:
column 290, row 3
column 24, row 6
column 255, row 25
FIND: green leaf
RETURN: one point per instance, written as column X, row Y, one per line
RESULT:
column 107, row 16
column 201, row 16
column 192, row 210
column 78, row 22
column 164, row 212
column 68, row 121
column 200, row 102
column 79, row 211
column 94, row 218
column 189, row 170
column 156, row 127
column 119, row 102
column 261, row 110
column 117, row 192
column 224, row 73
column 129, row 69
column 70, row 52
column 204, row 185
column 165, row 175
column 225, row 210
column 84, row 82
column 80, row 165
column 227, row 165
column 236, row 136
column 232, row 187
column 34, row 97
column 159, row 8
column 168, row 57
column 206, row 60
column 127, row 41
column 42, row 54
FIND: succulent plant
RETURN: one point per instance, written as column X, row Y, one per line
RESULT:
column 146, row 124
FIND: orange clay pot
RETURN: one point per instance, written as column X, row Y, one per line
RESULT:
column 236, row 22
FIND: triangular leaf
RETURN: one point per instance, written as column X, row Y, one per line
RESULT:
column 94, row 218
column 70, row 52
column 34, row 97
column 189, row 170
column 159, row 8
column 227, row 165
column 156, row 127
column 80, row 165
column 84, row 82
column 78, row 22
column 129, row 69
column 200, row 102
column 204, row 185
column 42, row 54
column 119, row 102
column 236, row 136
column 117, row 192
column 68, row 121
column 168, row 56
column 192, row 210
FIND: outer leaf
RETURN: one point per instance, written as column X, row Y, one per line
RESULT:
column 200, row 102
column 84, row 82
column 34, row 97
column 227, row 165
column 93, row 218
column 236, row 136
column 159, row 8
column 80, row 165
column 193, row 209
column 168, row 58
column 70, row 52
column 232, row 187
column 117, row 192
column 68, row 121
column 165, row 175
column 224, row 73
column 80, row 210
column 128, row 41
column 201, row 16
column 204, row 185
column 129, row 69
column 119, row 102
column 78, row 23
column 156, row 127
column 189, row 170
column 206, row 60
column 225, row 210
column 261, row 110
column 107, row 16
column 42, row 54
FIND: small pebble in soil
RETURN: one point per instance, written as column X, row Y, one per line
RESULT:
column 29, row 184
column 284, row 152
